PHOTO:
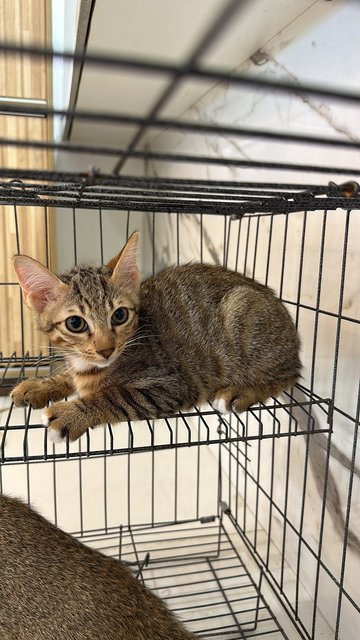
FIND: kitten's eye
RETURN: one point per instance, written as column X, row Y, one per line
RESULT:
column 119, row 316
column 76, row 324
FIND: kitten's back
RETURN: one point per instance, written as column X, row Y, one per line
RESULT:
column 52, row 586
column 220, row 315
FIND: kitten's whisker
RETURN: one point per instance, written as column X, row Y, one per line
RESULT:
column 44, row 361
column 49, row 355
column 44, row 356
column 61, row 368
column 131, row 343
column 136, row 337
column 37, row 345
column 138, row 331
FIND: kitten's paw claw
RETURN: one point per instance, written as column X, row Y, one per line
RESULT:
column 62, row 419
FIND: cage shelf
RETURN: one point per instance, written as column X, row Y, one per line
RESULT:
column 23, row 438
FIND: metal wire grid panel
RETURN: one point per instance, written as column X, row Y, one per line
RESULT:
column 290, row 552
column 263, row 433
column 26, row 441
column 97, row 191
column 198, row 571
column 23, row 437
column 260, row 500
column 302, row 412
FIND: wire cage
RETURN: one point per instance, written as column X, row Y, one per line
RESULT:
column 235, row 520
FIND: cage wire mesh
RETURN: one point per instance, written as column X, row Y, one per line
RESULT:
column 235, row 520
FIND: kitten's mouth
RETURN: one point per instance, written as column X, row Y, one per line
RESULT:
column 82, row 364
column 104, row 363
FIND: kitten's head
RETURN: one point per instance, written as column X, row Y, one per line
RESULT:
column 89, row 312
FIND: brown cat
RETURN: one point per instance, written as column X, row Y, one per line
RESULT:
column 188, row 335
column 53, row 587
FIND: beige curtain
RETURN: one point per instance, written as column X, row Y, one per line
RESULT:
column 26, row 229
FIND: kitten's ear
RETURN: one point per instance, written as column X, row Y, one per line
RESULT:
column 38, row 284
column 124, row 266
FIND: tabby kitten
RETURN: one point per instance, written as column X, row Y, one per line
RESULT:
column 53, row 587
column 191, row 334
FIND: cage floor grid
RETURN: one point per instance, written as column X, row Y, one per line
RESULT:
column 23, row 438
column 197, row 570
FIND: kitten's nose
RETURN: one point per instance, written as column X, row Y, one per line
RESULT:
column 106, row 353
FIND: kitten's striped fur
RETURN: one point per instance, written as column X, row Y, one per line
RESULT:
column 195, row 333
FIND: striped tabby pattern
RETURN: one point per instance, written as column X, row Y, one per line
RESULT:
column 191, row 334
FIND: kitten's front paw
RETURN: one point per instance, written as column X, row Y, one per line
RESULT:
column 62, row 419
column 34, row 393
